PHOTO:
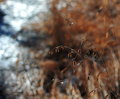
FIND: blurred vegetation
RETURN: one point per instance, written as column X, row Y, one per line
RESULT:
column 90, row 28
column 79, row 35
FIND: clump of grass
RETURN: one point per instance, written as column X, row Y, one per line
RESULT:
column 86, row 32
column 97, row 72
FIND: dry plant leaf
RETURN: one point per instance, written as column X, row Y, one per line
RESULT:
column 49, row 65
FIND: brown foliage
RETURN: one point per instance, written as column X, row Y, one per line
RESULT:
column 85, row 32
column 90, row 29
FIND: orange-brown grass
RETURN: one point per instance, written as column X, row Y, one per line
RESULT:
column 96, row 25
column 81, row 25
